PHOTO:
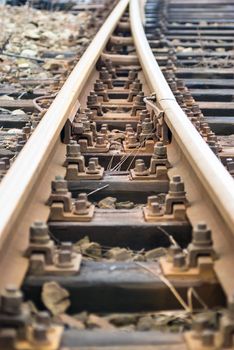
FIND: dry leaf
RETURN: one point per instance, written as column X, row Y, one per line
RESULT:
column 55, row 298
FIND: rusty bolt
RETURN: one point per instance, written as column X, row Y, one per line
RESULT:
column 19, row 146
column 139, row 166
column 73, row 149
column 177, row 93
column 156, row 208
column 105, row 125
column 23, row 137
column 168, row 74
column 230, row 307
column 59, row 185
column 151, row 199
column 100, row 141
column 173, row 86
column 200, row 322
column 212, row 137
column 190, row 114
column 194, row 119
column 39, row 233
column 143, row 115
column 174, row 250
column 109, row 64
column 146, row 126
column 179, row 260
column 43, row 317
column 64, row 257
column 170, row 64
column 104, row 129
column 91, row 169
column 6, row 160
column 136, row 85
column 8, row 338
column 132, row 140
column 206, row 130
column 146, row 113
column 197, row 125
column 95, row 160
column 180, row 84
column 129, row 128
column 66, row 246
column 26, row 129
column 39, row 332
column 187, row 97
column 81, row 207
column 160, row 150
column 132, row 74
column 139, row 100
column 203, row 125
column 11, row 300
column 83, row 145
column 207, row 337
column 99, row 86
column 230, row 164
column 185, row 110
column 202, row 235
column 82, row 196
column 86, row 124
column 92, row 99
column 213, row 146
column 179, row 99
column 89, row 114
column 2, row 166
column 176, row 185
column 195, row 109
column 104, row 74
column 83, row 118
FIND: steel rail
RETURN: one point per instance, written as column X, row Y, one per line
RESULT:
column 212, row 174
column 17, row 185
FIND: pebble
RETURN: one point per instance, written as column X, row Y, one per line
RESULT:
column 6, row 97
column 17, row 112
column 32, row 34
column 29, row 53
column 54, row 65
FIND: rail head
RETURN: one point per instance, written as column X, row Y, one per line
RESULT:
column 17, row 185
column 212, row 174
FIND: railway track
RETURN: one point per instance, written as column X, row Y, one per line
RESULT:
column 120, row 222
